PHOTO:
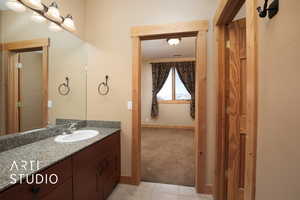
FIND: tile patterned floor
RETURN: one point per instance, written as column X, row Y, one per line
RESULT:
column 156, row 191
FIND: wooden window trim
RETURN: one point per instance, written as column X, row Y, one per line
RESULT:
column 174, row 100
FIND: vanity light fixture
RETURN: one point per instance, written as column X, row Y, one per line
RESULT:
column 15, row 6
column 173, row 41
column 34, row 4
column 68, row 23
column 53, row 13
column 37, row 18
column 41, row 13
column 54, row 27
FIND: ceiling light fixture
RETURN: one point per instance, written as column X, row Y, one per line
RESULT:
column 53, row 12
column 34, row 4
column 54, row 27
column 15, row 6
column 69, row 23
column 173, row 41
column 37, row 18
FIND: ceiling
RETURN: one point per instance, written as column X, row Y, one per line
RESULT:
column 155, row 49
column 2, row 5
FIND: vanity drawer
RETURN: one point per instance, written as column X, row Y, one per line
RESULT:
column 63, row 170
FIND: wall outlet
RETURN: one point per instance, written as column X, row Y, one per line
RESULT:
column 129, row 105
column 50, row 104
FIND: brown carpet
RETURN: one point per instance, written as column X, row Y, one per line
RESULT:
column 168, row 156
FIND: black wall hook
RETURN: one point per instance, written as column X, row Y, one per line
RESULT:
column 272, row 10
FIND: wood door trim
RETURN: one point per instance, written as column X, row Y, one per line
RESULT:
column 195, row 28
column 26, row 44
column 224, row 15
column 170, row 29
column 162, row 60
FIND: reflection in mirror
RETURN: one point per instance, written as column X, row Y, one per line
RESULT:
column 34, row 62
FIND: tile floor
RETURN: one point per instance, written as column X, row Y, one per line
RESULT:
column 156, row 191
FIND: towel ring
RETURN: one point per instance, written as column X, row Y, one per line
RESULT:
column 103, row 88
column 64, row 88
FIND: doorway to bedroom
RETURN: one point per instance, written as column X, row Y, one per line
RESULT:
column 168, row 110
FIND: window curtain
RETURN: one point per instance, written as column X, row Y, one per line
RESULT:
column 160, row 73
column 186, row 72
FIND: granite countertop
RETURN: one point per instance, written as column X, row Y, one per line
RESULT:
column 46, row 151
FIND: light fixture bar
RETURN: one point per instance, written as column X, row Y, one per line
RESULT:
column 43, row 12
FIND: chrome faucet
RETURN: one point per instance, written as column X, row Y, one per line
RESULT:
column 71, row 128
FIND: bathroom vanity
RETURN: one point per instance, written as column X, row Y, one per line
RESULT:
column 85, row 170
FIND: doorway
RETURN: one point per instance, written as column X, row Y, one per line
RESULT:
column 196, row 29
column 26, row 82
column 167, row 111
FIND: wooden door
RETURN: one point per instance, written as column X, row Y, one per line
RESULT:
column 236, row 109
column 12, row 100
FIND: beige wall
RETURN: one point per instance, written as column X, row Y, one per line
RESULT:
column 169, row 114
column 31, row 91
column 108, row 25
column 278, row 159
column 67, row 57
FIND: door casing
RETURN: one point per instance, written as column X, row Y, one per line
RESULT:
column 226, row 12
column 183, row 29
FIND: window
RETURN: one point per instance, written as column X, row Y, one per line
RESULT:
column 173, row 90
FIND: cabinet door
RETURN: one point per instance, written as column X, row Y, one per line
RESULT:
column 85, row 174
column 62, row 192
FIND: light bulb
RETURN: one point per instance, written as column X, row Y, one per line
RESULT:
column 173, row 41
column 35, row 4
column 53, row 12
column 15, row 6
column 54, row 27
column 69, row 23
column 37, row 18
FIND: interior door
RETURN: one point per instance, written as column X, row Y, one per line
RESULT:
column 236, row 109
column 12, row 98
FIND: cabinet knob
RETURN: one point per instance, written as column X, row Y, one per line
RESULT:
column 35, row 189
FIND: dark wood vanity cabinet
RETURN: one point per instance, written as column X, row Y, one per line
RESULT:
column 97, row 169
column 45, row 191
column 89, row 174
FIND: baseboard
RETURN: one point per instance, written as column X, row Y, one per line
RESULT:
column 126, row 180
column 208, row 189
column 168, row 126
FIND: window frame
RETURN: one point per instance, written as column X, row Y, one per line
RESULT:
column 174, row 100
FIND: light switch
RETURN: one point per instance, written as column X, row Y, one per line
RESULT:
column 129, row 105
column 50, row 104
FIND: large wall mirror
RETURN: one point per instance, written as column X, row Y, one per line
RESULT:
column 42, row 73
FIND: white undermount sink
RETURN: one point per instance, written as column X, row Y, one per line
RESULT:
column 76, row 136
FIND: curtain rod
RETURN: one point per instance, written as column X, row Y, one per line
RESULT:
column 161, row 60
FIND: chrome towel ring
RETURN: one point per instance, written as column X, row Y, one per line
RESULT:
column 64, row 88
column 103, row 87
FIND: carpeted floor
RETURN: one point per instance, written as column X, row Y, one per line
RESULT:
column 168, row 156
